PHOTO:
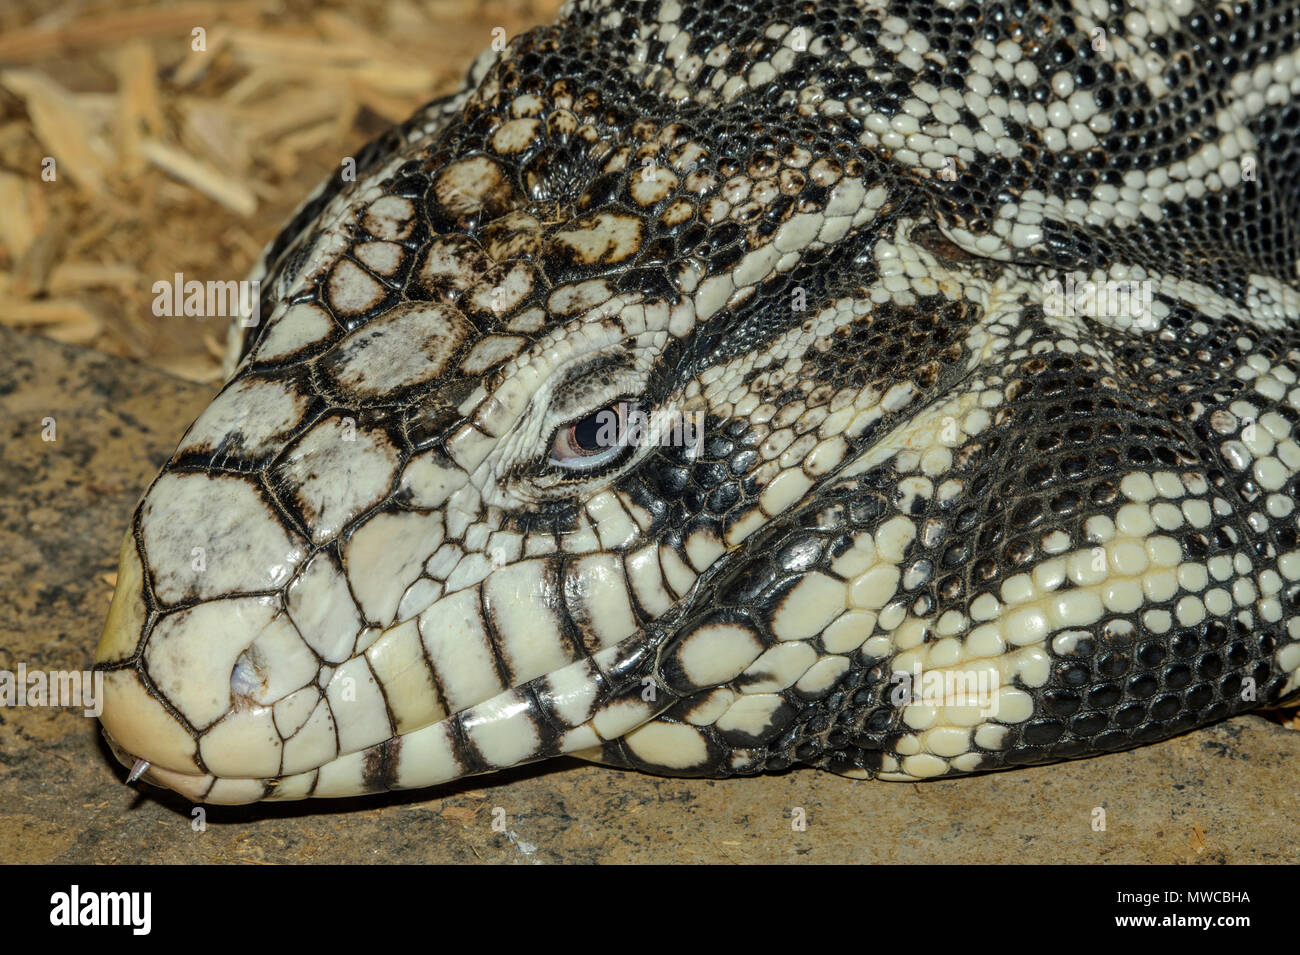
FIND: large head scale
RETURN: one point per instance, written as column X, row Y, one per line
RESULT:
column 399, row 548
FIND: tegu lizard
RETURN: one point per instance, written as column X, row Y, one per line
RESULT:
column 906, row 389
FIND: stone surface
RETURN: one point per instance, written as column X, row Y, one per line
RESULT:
column 1222, row 794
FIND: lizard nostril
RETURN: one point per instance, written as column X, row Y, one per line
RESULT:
column 246, row 678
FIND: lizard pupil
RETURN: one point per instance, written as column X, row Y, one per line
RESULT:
column 591, row 433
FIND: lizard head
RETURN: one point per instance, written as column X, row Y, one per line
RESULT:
column 648, row 401
column 519, row 388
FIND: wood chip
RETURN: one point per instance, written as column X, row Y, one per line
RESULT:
column 212, row 130
column 66, row 320
column 461, row 815
column 268, row 119
column 287, row 153
column 203, row 176
column 140, row 103
column 216, row 348
column 14, row 312
column 75, row 276
column 293, row 47
column 62, row 127
column 198, row 62
column 196, row 368
column 25, row 213
column 31, row 272
column 38, row 43
column 381, row 104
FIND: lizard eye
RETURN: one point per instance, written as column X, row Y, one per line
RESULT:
column 597, row 440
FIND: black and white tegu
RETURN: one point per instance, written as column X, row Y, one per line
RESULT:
column 902, row 388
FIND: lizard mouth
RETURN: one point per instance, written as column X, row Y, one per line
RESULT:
column 224, row 702
column 574, row 710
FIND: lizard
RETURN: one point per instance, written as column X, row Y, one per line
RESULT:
column 906, row 389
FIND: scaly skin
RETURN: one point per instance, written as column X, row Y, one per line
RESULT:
column 853, row 241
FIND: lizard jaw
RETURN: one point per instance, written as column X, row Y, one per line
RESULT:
column 574, row 710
